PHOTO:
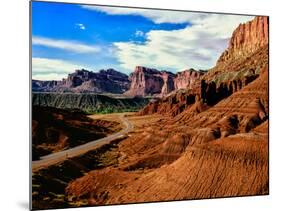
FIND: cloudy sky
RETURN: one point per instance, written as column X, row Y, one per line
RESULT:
column 66, row 37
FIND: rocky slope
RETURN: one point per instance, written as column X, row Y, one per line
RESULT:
column 147, row 81
column 104, row 81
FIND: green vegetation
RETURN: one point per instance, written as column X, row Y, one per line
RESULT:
column 88, row 103
column 109, row 110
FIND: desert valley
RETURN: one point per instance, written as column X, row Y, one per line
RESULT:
column 101, row 138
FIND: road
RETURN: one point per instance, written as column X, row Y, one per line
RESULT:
column 54, row 158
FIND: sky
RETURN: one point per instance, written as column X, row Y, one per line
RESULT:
column 66, row 37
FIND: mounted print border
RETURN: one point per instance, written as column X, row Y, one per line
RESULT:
column 136, row 105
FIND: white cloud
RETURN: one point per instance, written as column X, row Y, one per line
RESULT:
column 80, row 26
column 52, row 69
column 157, row 16
column 72, row 46
column 139, row 33
column 197, row 46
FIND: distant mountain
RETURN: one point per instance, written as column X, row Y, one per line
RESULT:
column 142, row 82
column 104, row 81
column 44, row 86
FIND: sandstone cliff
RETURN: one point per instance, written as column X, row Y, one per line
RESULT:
column 186, row 78
column 147, row 81
column 246, row 39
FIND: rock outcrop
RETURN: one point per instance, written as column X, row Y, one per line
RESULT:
column 186, row 79
column 147, row 81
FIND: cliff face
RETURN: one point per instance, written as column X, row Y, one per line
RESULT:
column 246, row 39
column 186, row 78
column 146, row 81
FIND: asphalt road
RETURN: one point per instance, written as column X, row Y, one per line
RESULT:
column 81, row 149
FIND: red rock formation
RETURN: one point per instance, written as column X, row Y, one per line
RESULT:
column 146, row 81
column 246, row 39
column 168, row 83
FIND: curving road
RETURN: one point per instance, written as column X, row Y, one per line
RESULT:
column 81, row 149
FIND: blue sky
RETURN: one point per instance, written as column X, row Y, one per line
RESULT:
column 66, row 37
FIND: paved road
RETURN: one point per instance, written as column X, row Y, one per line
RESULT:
column 81, row 149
